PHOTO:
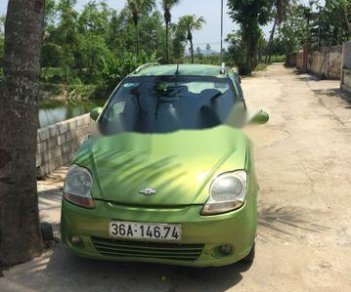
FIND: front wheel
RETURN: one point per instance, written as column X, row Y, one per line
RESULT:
column 250, row 257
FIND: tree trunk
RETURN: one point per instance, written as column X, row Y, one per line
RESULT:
column 190, row 39
column 20, row 238
column 168, row 18
column 137, row 39
column 270, row 43
column 249, row 55
column 167, row 45
column 347, row 20
column 192, row 51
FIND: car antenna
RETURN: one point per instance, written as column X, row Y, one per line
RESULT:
column 177, row 71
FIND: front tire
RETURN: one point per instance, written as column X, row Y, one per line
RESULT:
column 250, row 257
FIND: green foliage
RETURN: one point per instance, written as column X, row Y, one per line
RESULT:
column 325, row 25
column 293, row 31
column 236, row 51
column 330, row 25
column 261, row 67
column 250, row 14
column 87, row 52
column 115, row 69
column 137, row 8
column 167, row 5
column 179, row 42
column 94, row 47
column 202, row 59
column 248, row 46
column 187, row 25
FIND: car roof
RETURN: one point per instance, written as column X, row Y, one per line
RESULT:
column 183, row 70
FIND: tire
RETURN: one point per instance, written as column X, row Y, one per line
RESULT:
column 250, row 257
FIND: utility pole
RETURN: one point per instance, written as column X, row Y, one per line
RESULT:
column 222, row 9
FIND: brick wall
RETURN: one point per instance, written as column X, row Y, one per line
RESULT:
column 57, row 144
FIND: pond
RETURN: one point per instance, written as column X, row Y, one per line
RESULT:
column 53, row 111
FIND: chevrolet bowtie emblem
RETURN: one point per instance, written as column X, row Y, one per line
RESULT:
column 148, row 191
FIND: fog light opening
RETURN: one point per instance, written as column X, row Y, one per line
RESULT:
column 76, row 241
column 226, row 249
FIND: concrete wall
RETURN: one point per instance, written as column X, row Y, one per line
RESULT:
column 291, row 60
column 299, row 60
column 57, row 144
column 346, row 67
column 346, row 80
column 326, row 63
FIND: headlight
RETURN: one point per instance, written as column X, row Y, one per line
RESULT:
column 77, row 187
column 227, row 193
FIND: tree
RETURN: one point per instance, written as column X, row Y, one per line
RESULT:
column 20, row 237
column 346, row 7
column 189, row 23
column 136, row 8
column 208, row 49
column 167, row 5
column 280, row 8
column 333, row 22
column 250, row 15
column 179, row 42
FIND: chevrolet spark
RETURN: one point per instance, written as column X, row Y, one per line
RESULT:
column 169, row 178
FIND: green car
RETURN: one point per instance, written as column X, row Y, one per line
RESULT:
column 169, row 177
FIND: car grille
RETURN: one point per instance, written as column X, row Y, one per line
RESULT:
column 150, row 250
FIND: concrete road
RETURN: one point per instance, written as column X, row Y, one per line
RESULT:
column 303, row 159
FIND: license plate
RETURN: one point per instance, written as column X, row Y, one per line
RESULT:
column 147, row 231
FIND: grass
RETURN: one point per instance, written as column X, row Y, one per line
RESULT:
column 261, row 67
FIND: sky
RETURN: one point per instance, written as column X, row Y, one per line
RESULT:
column 209, row 9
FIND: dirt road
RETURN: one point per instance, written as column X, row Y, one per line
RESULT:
column 303, row 159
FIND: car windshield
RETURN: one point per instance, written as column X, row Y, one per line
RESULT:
column 166, row 104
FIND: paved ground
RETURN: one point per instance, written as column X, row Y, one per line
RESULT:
column 304, row 244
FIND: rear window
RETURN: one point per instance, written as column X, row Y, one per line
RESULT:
column 167, row 104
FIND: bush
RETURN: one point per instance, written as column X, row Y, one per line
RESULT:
column 115, row 69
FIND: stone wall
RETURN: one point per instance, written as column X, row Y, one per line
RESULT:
column 346, row 67
column 57, row 144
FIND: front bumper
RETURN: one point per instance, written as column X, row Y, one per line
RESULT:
column 237, row 229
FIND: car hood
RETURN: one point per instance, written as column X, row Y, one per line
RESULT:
column 179, row 166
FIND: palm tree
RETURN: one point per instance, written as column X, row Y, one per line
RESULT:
column 20, row 237
column 280, row 16
column 136, row 8
column 167, row 6
column 189, row 23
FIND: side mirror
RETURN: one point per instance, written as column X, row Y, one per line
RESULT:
column 260, row 118
column 95, row 113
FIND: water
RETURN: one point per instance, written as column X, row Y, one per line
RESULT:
column 52, row 111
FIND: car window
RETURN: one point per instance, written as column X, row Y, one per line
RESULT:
column 165, row 104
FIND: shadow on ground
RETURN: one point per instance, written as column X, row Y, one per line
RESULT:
column 335, row 93
column 60, row 270
column 277, row 221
